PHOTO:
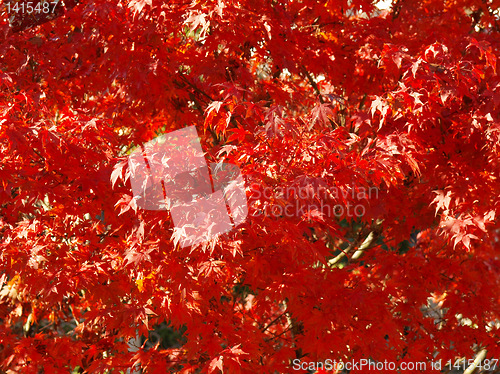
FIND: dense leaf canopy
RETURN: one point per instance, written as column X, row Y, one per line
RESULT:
column 369, row 140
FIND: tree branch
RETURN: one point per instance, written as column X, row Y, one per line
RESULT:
column 312, row 83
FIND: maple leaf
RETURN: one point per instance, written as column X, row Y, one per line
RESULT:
column 322, row 113
column 125, row 203
column 380, row 105
column 138, row 5
column 442, row 200
column 196, row 20
column 118, row 170
column 216, row 363
column 135, row 255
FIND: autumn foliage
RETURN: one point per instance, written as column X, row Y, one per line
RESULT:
column 394, row 111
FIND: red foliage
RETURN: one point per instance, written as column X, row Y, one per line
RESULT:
column 369, row 141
